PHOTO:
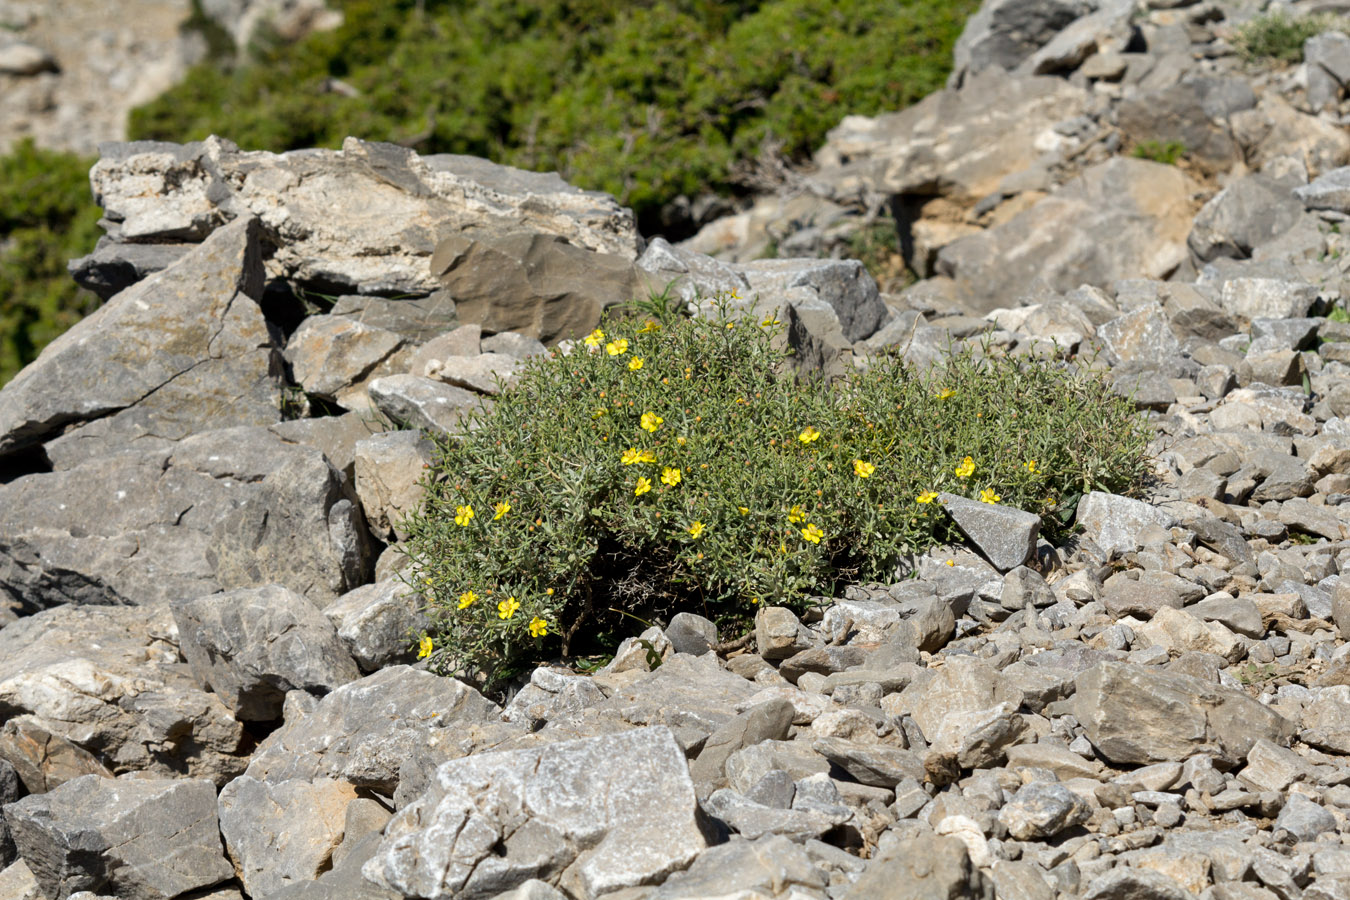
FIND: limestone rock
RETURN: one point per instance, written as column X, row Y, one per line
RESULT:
column 378, row 623
column 251, row 646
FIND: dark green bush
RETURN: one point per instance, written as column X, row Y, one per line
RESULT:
column 644, row 100
column 47, row 216
column 667, row 469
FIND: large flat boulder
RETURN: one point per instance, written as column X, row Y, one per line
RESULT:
column 138, row 839
column 253, row 645
column 1134, row 715
column 184, row 351
column 363, row 219
column 1124, row 218
column 594, row 815
column 224, row 509
column 102, row 690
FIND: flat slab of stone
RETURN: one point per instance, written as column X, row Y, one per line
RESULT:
column 139, row 839
column 1004, row 535
column 593, row 815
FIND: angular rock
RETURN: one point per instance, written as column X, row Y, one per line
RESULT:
column 423, row 403
column 1122, row 218
column 743, row 868
column 534, row 284
column 1004, row 535
column 1004, row 33
column 1143, row 337
column 377, row 623
column 329, row 355
column 390, row 469
column 223, row 509
column 844, row 284
column 282, row 833
column 415, row 319
column 1126, row 883
column 1114, row 523
column 593, row 816
column 101, row 690
column 1259, row 298
column 1247, row 213
column 1330, row 191
column 184, row 351
column 922, row 867
column 364, row 731
column 156, row 192
column 140, row 839
column 1193, row 113
column 1042, row 810
column 1133, row 715
column 251, row 646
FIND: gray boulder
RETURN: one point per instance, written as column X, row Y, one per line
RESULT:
column 401, row 205
column 922, row 866
column 1114, row 523
column 223, row 509
column 490, row 822
column 390, row 469
column 330, row 356
column 844, row 284
column 378, row 623
column 139, row 839
column 1247, row 213
column 423, row 403
column 251, row 646
column 1121, row 218
column 1006, row 536
column 182, row 352
column 1193, row 113
column 1134, row 715
column 1003, row 33
column 102, row 690
column 282, row 833
column 364, row 731
column 533, row 284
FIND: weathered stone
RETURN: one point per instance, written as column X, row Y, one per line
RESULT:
column 222, row 509
column 691, row 633
column 1194, row 114
column 251, row 646
column 390, row 469
column 1260, row 298
column 329, row 355
column 364, row 731
column 494, row 820
column 156, row 192
column 1114, row 523
column 1042, row 810
column 874, row 764
column 416, row 319
column 1125, row 883
column 1328, row 59
column 1004, row 535
column 533, row 284
column 377, row 623
column 1133, row 715
column 843, row 284
column 780, row 634
column 768, row 721
column 140, row 839
column 922, row 867
column 1330, row 191
column 966, row 710
column 423, row 403
column 282, row 833
column 183, row 351
column 1005, row 33
column 101, row 690
column 1122, row 218
column 1304, row 819
column 1143, row 337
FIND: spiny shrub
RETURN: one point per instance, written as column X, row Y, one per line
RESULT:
column 666, row 467
column 1280, row 36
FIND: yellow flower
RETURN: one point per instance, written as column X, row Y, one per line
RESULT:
column 463, row 515
column 599, row 412
column 501, row 509
column 649, row 326
column 863, row 469
column 424, row 648
column 796, row 515
column 643, row 486
column 630, row 456
column 770, row 321
column 617, row 347
column 594, row 338
column 926, row 497
column 507, row 608
column 808, row 435
column 680, row 441
column 467, row 599
column 731, row 325
column 670, row 476
column 951, row 562
column 1030, row 465
column 634, row 364
column 812, row 534
column 743, row 510
column 966, row 469
column 651, row 422
column 696, row 529
column 647, row 456
column 988, row 496
column 548, row 591
column 945, row 393
column 538, row 627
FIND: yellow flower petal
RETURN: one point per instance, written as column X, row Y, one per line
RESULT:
column 863, row 469
column 507, row 608
column 594, row 338
column 538, row 627
column 670, row 476
column 808, row 435
column 988, row 496
column 643, row 486
column 966, row 469
column 617, row 347
column 424, row 648
column 463, row 515
column 467, row 599
column 650, row 422
column 696, row 529
column 634, row 364
column 926, row 497
column 500, row 510
column 812, row 534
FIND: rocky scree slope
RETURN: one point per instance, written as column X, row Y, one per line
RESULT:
column 207, row 688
